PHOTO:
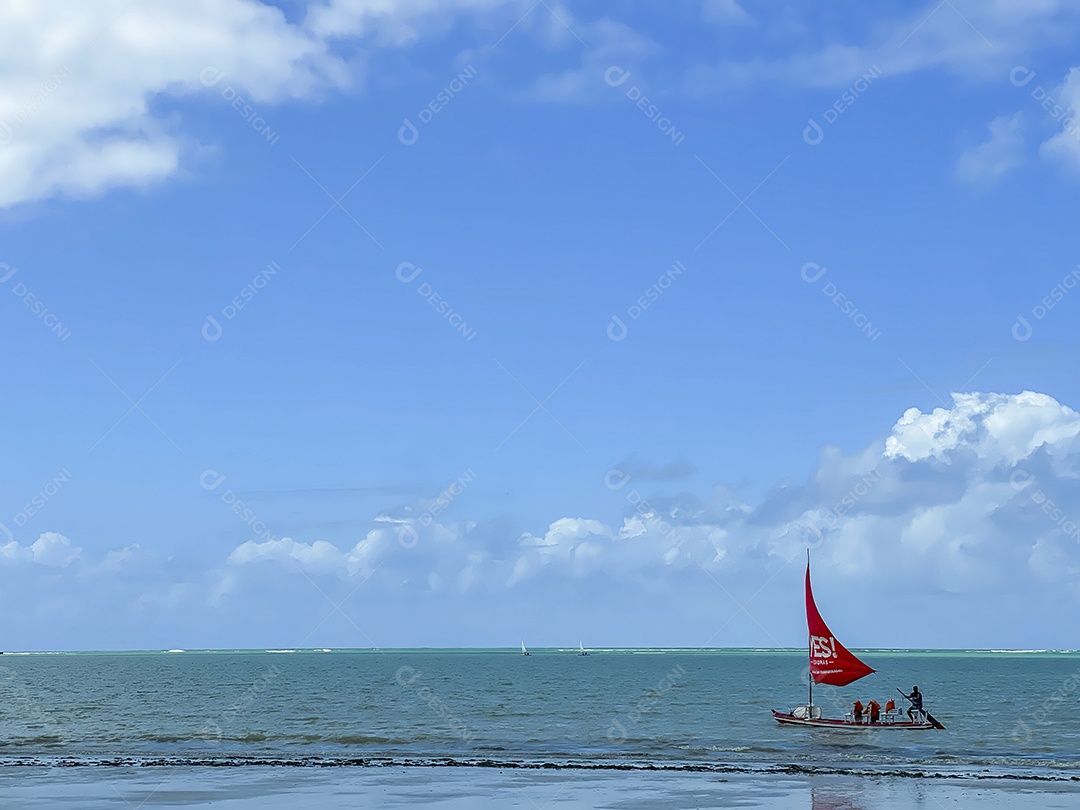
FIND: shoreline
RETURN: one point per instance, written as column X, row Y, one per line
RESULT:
column 486, row 764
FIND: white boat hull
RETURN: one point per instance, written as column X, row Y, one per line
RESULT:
column 788, row 719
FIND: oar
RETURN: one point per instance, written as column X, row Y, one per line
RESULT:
column 930, row 718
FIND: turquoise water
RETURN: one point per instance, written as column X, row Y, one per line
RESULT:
column 1006, row 713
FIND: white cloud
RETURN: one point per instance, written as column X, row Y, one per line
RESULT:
column 321, row 557
column 80, row 82
column 603, row 43
column 986, row 163
column 978, row 41
column 317, row 557
column 953, row 500
column 997, row 428
column 77, row 81
column 50, row 549
column 1066, row 143
column 575, row 545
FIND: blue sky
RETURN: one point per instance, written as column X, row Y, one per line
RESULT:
column 432, row 213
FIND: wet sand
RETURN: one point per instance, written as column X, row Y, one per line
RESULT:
column 464, row 788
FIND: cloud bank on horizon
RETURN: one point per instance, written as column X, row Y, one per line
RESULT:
column 980, row 499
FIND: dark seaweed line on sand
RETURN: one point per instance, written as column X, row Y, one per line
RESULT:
column 447, row 762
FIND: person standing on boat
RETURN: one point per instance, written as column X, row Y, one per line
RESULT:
column 875, row 711
column 916, row 703
column 856, row 711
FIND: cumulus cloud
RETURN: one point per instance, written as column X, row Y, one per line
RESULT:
column 321, row 557
column 577, row 546
column 318, row 557
column 995, row 428
column 986, row 163
column 79, row 80
column 50, row 549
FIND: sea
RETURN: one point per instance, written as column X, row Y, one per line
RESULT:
column 76, row 725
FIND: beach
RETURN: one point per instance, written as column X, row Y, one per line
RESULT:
column 464, row 788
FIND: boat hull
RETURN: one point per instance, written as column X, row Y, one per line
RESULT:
column 787, row 719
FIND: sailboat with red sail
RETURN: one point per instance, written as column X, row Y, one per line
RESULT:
column 834, row 664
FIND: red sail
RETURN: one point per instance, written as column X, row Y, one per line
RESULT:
column 830, row 661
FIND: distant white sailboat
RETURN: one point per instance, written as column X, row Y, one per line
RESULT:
column 581, row 649
column 523, row 650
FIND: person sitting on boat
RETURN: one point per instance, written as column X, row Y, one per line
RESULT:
column 875, row 711
column 856, row 711
column 916, row 704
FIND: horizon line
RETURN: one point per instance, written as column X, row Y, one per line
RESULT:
column 516, row 649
